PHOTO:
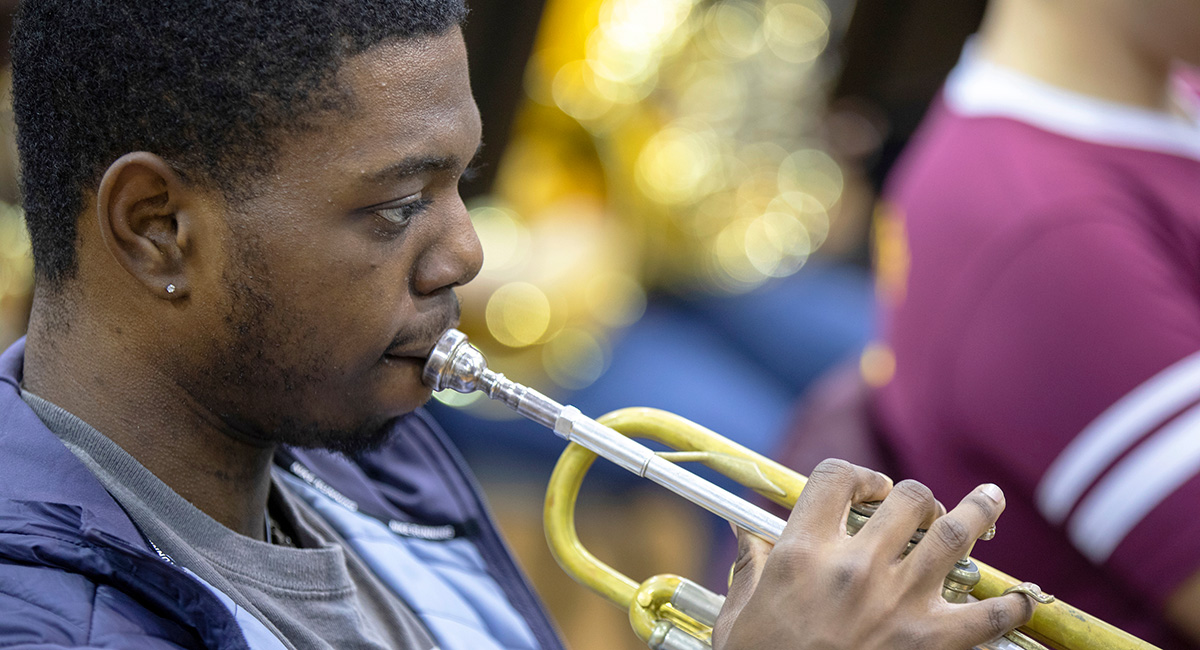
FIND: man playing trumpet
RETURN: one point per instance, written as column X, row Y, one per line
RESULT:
column 247, row 234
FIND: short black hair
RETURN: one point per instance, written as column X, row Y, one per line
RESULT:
column 209, row 85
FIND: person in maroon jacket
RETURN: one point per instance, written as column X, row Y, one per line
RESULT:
column 1039, row 268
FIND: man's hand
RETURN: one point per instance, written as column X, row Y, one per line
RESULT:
column 818, row 588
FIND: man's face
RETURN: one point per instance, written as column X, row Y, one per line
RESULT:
column 339, row 272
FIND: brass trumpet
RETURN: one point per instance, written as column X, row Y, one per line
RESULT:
column 674, row 613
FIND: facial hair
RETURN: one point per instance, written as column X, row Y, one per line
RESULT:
column 266, row 357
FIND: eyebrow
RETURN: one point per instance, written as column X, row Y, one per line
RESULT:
column 421, row 165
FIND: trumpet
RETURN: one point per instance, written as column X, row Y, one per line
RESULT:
column 671, row 612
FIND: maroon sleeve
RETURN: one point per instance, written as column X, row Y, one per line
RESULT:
column 1075, row 366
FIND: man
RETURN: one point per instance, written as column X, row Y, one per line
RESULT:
column 1040, row 269
column 247, row 234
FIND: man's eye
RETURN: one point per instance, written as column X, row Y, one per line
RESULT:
column 399, row 212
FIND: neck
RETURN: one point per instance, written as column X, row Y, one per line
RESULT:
column 89, row 369
column 1084, row 52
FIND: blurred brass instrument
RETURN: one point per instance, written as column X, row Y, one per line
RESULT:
column 673, row 613
column 663, row 145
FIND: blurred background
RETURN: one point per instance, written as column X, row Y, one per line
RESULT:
column 675, row 212
column 674, row 202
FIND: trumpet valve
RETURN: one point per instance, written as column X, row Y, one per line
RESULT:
column 960, row 581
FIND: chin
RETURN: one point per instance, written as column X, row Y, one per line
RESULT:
column 401, row 389
column 359, row 419
column 348, row 439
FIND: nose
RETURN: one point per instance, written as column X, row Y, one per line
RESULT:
column 454, row 256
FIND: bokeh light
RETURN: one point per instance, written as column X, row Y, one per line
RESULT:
column 734, row 29
column 504, row 238
column 518, row 314
column 677, row 163
column 812, row 172
column 614, row 299
column 574, row 359
column 797, row 32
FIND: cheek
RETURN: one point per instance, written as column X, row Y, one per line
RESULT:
column 361, row 307
column 341, row 295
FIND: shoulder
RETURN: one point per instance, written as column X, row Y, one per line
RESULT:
column 68, row 577
column 983, row 149
column 970, row 194
column 51, row 607
column 1075, row 254
column 1088, row 302
column 984, row 172
column 1034, row 327
column 41, row 604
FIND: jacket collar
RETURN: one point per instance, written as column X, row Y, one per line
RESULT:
column 55, row 513
column 979, row 88
column 37, row 467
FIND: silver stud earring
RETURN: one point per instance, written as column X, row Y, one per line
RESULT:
column 170, row 288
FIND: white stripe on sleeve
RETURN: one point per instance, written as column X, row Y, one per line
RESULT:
column 1137, row 484
column 1115, row 430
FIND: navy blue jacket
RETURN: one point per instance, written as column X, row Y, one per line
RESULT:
column 75, row 571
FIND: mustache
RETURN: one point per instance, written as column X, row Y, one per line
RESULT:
column 427, row 331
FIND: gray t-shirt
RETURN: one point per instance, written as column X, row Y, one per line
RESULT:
column 319, row 596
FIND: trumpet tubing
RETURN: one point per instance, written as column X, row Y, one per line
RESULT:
column 674, row 613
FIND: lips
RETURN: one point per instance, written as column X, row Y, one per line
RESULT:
column 414, row 345
column 417, row 353
column 401, row 357
column 407, row 353
column 416, row 338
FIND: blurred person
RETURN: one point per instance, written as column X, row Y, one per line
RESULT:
column 9, row 192
column 15, row 265
column 247, row 234
column 1039, row 270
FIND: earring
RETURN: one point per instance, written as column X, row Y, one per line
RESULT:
column 170, row 288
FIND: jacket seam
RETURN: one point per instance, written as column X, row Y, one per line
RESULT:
column 92, row 619
column 65, row 540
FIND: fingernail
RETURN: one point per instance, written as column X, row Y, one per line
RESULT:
column 886, row 479
column 992, row 491
column 733, row 527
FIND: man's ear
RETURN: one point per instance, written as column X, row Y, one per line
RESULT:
column 139, row 211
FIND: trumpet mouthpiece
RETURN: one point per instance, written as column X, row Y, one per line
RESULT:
column 454, row 364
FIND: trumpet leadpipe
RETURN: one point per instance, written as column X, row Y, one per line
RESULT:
column 456, row 365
